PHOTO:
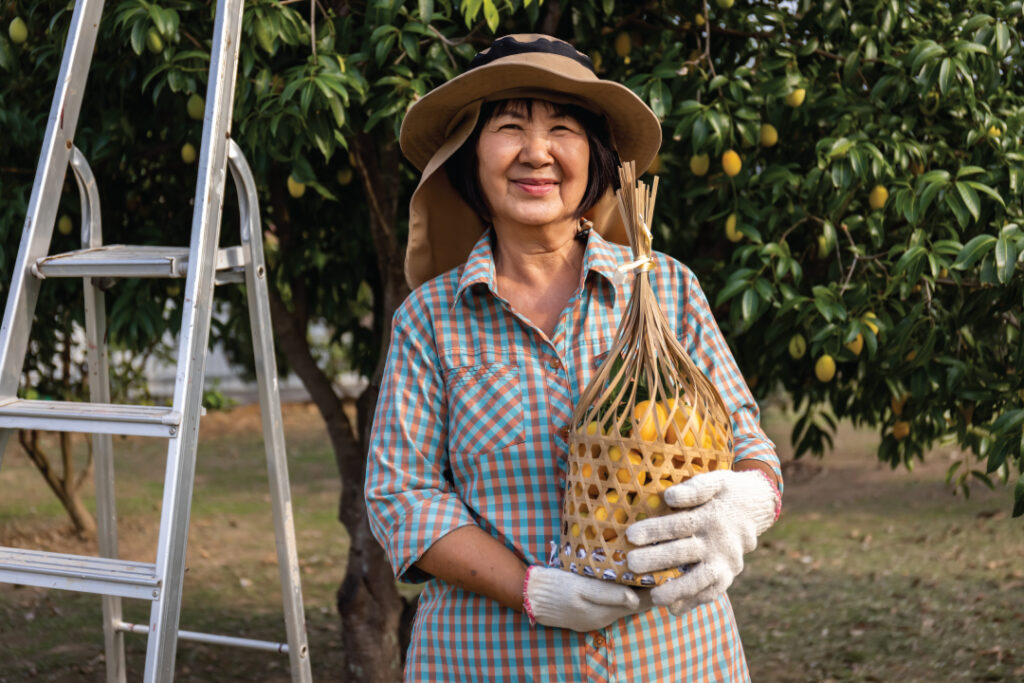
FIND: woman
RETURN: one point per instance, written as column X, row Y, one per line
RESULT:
column 515, row 300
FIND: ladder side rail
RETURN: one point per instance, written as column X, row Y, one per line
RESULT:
column 42, row 209
column 195, row 331
column 99, row 392
column 272, row 420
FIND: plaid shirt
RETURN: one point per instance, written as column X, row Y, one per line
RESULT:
column 470, row 429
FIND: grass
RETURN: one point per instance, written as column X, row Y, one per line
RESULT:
column 876, row 574
column 870, row 575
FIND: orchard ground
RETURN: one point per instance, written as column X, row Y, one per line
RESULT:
column 870, row 575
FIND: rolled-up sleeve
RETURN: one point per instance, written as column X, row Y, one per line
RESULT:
column 410, row 500
column 711, row 353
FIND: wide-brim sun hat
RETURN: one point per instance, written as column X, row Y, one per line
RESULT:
column 442, row 227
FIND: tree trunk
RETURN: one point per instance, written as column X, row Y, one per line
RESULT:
column 375, row 619
column 65, row 486
column 373, row 614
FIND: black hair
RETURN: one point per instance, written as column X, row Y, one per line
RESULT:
column 463, row 171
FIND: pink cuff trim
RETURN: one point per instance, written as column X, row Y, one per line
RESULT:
column 775, row 490
column 527, row 607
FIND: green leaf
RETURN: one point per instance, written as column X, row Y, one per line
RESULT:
column 426, row 10
column 970, row 198
column 965, row 171
column 1006, row 259
column 840, row 147
column 749, row 304
column 972, row 251
column 731, row 289
column 138, row 37
column 689, row 106
column 6, row 58
column 980, row 187
column 946, row 75
column 975, row 22
column 379, row 33
column 1018, row 497
column 1002, row 39
column 809, row 47
column 936, row 176
column 909, row 259
column 926, row 52
column 764, row 288
column 661, row 99
column 699, row 134
column 956, row 205
column 717, row 82
column 491, row 15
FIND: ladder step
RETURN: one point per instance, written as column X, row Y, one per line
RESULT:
column 89, row 418
column 121, row 261
column 80, row 573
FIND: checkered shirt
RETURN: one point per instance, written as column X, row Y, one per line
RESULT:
column 470, row 429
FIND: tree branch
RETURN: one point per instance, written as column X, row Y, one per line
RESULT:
column 707, row 39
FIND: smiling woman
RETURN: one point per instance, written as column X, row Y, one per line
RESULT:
column 515, row 243
column 555, row 130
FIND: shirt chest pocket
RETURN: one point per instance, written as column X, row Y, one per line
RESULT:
column 485, row 408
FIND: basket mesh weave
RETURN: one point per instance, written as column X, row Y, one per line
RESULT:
column 647, row 420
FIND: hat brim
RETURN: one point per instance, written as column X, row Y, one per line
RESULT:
column 635, row 130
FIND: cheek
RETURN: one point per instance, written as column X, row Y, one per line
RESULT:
column 578, row 165
column 488, row 181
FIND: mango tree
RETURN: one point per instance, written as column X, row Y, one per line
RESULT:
column 845, row 179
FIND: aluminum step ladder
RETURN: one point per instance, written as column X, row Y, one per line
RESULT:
column 203, row 265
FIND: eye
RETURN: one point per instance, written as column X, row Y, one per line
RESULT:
column 565, row 128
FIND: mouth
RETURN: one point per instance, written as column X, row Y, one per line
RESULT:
column 535, row 186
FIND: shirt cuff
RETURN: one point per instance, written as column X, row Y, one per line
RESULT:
column 428, row 521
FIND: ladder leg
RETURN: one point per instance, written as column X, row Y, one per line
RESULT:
column 99, row 392
column 195, row 334
column 42, row 209
column 273, row 427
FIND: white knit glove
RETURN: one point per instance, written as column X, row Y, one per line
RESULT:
column 555, row 597
column 725, row 513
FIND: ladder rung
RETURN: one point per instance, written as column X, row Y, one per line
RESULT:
column 211, row 638
column 80, row 573
column 120, row 261
column 89, row 418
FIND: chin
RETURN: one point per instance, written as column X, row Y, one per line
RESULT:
column 540, row 220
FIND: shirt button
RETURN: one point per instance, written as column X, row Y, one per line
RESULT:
column 554, row 364
column 563, row 433
column 598, row 641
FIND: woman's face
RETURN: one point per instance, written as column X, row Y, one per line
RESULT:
column 533, row 166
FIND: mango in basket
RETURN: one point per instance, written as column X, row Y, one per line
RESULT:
column 592, row 429
column 680, row 430
column 648, row 419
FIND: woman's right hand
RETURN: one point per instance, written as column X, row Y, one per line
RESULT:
column 555, row 597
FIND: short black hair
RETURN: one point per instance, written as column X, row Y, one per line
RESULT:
column 463, row 170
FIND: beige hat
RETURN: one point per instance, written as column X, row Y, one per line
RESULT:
column 442, row 227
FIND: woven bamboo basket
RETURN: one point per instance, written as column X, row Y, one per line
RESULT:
column 647, row 420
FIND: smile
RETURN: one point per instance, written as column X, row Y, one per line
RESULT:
column 535, row 186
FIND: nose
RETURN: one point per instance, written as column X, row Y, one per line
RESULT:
column 536, row 150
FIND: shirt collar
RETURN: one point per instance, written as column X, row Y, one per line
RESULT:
column 601, row 257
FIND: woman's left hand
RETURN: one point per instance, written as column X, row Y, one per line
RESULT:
column 724, row 513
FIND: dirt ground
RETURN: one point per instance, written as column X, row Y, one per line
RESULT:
column 871, row 574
